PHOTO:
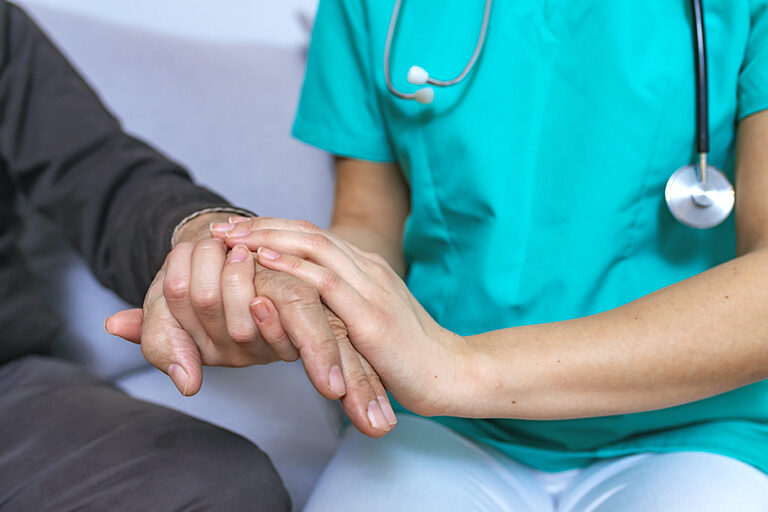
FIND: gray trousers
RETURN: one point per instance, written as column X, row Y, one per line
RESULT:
column 69, row 441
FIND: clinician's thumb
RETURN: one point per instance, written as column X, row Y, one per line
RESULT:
column 126, row 324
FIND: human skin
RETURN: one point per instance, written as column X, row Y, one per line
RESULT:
column 203, row 309
column 697, row 338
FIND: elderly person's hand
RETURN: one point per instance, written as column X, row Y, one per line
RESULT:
column 415, row 357
column 207, row 306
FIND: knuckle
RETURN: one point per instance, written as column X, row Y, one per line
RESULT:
column 236, row 280
column 176, row 288
column 263, row 278
column 206, row 300
column 302, row 293
column 295, row 265
column 271, row 282
column 329, row 281
column 338, row 327
column 274, row 337
column 242, row 332
column 305, row 225
column 358, row 380
column 380, row 272
column 320, row 242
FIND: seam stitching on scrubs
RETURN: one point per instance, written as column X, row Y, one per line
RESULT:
column 652, row 160
column 377, row 88
column 452, row 259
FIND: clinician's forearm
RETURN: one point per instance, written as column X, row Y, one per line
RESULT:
column 371, row 204
column 371, row 241
column 692, row 340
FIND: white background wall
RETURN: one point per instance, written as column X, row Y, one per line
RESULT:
column 275, row 21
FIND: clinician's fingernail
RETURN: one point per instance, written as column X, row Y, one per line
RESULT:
column 237, row 218
column 376, row 416
column 386, row 408
column 239, row 231
column 336, row 381
column 238, row 254
column 106, row 329
column 220, row 227
column 260, row 310
column 267, row 253
column 179, row 377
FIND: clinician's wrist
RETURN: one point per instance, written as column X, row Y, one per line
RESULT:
column 474, row 383
column 452, row 390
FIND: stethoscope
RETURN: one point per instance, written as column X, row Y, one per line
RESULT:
column 698, row 195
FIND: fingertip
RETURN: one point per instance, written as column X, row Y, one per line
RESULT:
column 386, row 408
column 264, row 254
column 179, row 377
column 220, row 228
column 376, row 417
column 106, row 325
column 238, row 254
column 336, row 381
column 260, row 310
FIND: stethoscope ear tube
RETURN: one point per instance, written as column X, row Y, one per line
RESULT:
column 420, row 76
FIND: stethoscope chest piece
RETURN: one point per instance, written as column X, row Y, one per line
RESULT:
column 698, row 203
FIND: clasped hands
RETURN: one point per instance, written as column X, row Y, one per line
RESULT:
column 255, row 291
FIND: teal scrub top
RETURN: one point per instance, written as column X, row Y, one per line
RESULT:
column 538, row 183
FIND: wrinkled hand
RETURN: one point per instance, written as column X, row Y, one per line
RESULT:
column 415, row 357
column 209, row 307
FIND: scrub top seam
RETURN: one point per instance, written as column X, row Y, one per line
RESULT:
column 451, row 262
column 632, row 239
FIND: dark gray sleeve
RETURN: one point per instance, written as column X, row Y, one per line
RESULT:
column 116, row 199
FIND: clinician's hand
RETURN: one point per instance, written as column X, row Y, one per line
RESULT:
column 203, row 308
column 416, row 358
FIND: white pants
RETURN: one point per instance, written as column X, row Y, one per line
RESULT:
column 424, row 466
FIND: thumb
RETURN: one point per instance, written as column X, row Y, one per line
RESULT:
column 170, row 349
column 126, row 324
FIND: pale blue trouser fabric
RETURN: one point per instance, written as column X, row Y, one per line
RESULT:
column 424, row 466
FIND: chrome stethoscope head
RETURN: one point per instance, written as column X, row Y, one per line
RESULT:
column 700, row 196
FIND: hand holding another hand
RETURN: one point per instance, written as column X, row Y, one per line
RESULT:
column 416, row 359
column 207, row 306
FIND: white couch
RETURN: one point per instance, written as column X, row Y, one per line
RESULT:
column 214, row 85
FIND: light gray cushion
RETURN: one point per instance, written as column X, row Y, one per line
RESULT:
column 223, row 110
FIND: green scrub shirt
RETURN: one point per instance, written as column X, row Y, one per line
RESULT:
column 538, row 183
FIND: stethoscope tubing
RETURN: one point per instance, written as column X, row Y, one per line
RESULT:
column 699, row 195
column 432, row 81
column 702, row 80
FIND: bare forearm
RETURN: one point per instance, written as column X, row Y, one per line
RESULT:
column 371, row 241
column 692, row 340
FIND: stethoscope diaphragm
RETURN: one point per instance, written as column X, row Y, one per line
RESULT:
column 697, row 203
